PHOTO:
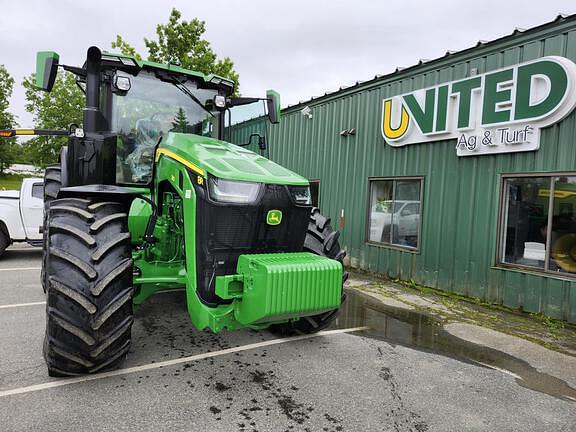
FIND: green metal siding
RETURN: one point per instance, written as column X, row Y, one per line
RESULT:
column 461, row 195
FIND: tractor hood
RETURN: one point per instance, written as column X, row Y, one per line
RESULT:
column 226, row 161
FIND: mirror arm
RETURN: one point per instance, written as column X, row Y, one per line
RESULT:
column 75, row 70
column 232, row 102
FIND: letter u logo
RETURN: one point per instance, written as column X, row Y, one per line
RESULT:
column 390, row 132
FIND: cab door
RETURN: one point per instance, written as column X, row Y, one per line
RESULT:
column 32, row 208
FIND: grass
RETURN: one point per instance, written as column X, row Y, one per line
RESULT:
column 10, row 181
column 552, row 324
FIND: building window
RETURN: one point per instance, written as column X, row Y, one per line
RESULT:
column 394, row 212
column 539, row 223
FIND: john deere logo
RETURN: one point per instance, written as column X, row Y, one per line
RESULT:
column 496, row 112
column 274, row 217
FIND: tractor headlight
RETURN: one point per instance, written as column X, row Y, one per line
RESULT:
column 300, row 194
column 232, row 191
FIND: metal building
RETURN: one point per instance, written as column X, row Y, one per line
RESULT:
column 458, row 173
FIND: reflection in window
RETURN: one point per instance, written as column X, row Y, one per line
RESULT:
column 395, row 212
column 38, row 190
column 540, row 223
column 563, row 230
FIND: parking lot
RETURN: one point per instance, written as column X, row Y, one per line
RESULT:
column 179, row 379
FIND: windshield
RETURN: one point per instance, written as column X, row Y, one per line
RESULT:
column 150, row 109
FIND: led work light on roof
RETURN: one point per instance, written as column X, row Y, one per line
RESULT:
column 122, row 83
column 220, row 101
column 217, row 81
column 127, row 61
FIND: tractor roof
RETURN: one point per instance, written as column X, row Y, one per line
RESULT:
column 130, row 63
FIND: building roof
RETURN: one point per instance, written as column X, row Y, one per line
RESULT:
column 560, row 18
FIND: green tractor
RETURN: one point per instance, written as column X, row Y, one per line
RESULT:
column 149, row 196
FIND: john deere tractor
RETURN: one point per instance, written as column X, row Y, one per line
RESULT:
column 149, row 196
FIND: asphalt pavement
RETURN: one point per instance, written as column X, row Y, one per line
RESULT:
column 179, row 379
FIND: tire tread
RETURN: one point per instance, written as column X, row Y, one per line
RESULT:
column 89, row 312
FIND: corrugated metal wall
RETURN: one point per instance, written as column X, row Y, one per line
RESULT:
column 461, row 195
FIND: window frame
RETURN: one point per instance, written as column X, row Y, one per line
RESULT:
column 367, row 240
column 41, row 187
column 501, row 226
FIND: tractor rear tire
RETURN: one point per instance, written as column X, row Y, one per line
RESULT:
column 52, row 182
column 322, row 240
column 89, row 265
column 52, row 185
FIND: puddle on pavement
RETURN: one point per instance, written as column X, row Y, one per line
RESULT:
column 417, row 330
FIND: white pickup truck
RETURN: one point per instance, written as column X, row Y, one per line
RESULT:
column 21, row 214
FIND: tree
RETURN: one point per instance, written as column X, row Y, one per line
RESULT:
column 8, row 147
column 181, row 43
column 52, row 110
column 180, row 123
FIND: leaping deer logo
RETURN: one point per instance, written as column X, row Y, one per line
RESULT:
column 274, row 217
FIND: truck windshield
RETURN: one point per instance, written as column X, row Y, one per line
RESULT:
column 150, row 109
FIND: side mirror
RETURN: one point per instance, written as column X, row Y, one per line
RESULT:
column 273, row 103
column 46, row 69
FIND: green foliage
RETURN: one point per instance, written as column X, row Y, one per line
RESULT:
column 552, row 324
column 54, row 110
column 8, row 147
column 180, row 123
column 10, row 181
column 125, row 48
column 181, row 43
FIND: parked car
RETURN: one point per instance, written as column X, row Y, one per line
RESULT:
column 21, row 214
column 395, row 222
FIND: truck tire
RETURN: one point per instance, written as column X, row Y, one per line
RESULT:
column 52, row 185
column 89, row 286
column 4, row 239
column 322, row 240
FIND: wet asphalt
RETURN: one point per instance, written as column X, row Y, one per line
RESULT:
column 402, row 375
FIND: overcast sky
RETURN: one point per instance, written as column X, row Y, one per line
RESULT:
column 301, row 48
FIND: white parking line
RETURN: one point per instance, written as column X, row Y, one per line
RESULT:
column 8, row 306
column 69, row 381
column 19, row 269
column 507, row 372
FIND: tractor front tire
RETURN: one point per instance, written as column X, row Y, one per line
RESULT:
column 89, row 312
column 321, row 239
column 52, row 185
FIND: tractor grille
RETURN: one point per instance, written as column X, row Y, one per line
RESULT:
column 226, row 231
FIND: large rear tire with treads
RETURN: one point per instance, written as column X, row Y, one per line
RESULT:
column 321, row 239
column 89, row 312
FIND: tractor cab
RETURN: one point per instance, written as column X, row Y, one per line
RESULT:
column 150, row 109
column 141, row 102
